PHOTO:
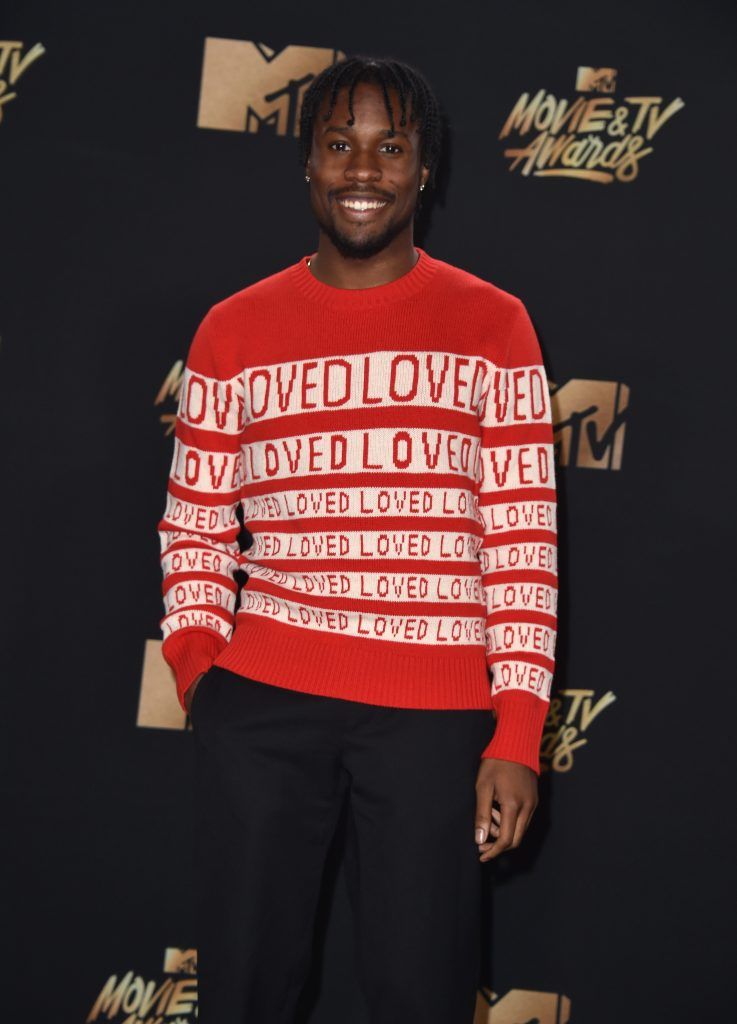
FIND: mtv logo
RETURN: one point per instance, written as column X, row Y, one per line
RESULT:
column 171, row 390
column 248, row 87
column 589, row 419
column 521, row 1006
column 180, row 961
column 158, row 704
column 596, row 79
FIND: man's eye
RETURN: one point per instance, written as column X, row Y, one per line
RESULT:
column 393, row 146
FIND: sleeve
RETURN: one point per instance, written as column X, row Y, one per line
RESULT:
column 199, row 528
column 518, row 506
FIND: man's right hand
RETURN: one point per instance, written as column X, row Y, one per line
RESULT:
column 189, row 695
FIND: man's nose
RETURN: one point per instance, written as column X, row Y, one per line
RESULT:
column 363, row 166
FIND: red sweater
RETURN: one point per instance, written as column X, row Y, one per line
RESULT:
column 392, row 451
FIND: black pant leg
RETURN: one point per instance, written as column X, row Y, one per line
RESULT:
column 269, row 788
column 412, row 866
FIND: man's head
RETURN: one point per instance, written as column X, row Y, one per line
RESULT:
column 370, row 132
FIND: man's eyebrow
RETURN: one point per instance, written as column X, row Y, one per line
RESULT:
column 349, row 128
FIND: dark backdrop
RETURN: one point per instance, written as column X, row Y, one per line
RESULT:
column 123, row 221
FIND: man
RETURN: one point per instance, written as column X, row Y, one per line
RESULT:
column 382, row 418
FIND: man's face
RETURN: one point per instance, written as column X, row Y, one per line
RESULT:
column 350, row 165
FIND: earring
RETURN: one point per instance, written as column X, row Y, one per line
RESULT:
column 421, row 187
column 307, row 177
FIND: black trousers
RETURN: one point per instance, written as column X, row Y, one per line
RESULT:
column 273, row 768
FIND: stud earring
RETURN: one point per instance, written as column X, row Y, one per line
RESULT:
column 421, row 187
column 307, row 177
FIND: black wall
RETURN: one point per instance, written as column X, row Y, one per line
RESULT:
column 123, row 221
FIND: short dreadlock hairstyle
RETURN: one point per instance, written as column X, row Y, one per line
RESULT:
column 410, row 84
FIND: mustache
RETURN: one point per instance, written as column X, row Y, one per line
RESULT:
column 361, row 194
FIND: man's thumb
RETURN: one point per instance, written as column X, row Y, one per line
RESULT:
column 482, row 822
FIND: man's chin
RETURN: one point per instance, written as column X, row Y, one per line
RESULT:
column 359, row 247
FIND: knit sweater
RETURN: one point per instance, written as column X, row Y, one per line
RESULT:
column 391, row 450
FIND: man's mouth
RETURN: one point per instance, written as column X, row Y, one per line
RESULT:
column 361, row 208
column 362, row 204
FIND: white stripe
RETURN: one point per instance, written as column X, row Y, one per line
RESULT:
column 417, row 379
column 505, row 516
column 374, row 586
column 519, row 596
column 198, row 619
column 212, row 404
column 526, row 556
column 430, row 630
column 191, row 518
column 512, row 466
column 438, row 546
column 212, row 559
column 432, row 379
column 520, row 638
column 380, row 450
column 198, row 592
column 201, row 470
column 515, row 397
column 441, row 380
column 352, row 502
column 520, row 676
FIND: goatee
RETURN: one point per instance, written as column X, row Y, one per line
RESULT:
column 364, row 248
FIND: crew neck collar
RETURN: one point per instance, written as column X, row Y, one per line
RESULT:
column 360, row 298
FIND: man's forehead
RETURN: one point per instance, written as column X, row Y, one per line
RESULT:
column 340, row 114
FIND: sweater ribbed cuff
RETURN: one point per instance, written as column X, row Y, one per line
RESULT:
column 519, row 728
column 189, row 652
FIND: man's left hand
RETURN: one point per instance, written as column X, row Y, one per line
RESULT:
column 513, row 787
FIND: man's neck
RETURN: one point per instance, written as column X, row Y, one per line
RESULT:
column 331, row 267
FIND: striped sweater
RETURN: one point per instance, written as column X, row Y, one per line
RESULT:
column 390, row 452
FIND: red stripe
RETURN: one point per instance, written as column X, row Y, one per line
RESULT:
column 213, row 548
column 505, row 495
column 510, row 616
column 516, row 434
column 529, row 657
column 512, row 536
column 340, row 421
column 204, row 498
column 496, row 576
column 379, row 565
column 367, row 524
column 226, row 537
column 372, row 606
column 382, row 481
column 207, row 440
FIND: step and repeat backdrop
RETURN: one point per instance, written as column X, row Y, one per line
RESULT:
column 149, row 169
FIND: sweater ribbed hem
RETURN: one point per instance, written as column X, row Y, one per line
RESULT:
column 188, row 652
column 520, row 721
column 366, row 672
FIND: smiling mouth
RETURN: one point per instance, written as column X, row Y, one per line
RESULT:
column 361, row 209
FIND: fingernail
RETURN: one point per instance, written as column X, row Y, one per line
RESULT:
column 479, row 835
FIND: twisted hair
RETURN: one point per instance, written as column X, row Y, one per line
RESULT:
column 409, row 83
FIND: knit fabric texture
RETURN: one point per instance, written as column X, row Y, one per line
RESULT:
column 389, row 451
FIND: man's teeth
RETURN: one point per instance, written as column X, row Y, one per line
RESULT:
column 362, row 204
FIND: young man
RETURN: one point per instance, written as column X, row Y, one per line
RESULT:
column 383, row 419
